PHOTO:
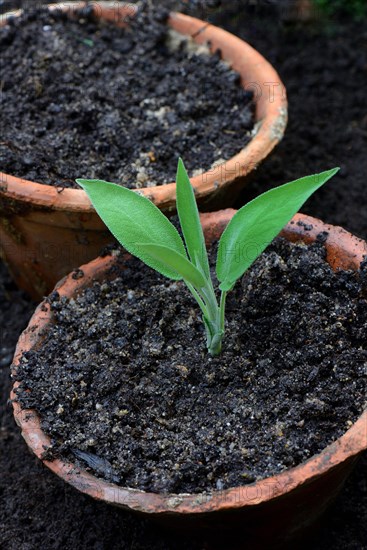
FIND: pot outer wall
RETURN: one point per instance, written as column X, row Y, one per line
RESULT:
column 45, row 231
column 267, row 514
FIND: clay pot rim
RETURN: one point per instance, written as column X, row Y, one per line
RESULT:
column 347, row 447
column 270, row 118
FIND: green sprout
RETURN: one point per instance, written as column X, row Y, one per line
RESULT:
column 145, row 232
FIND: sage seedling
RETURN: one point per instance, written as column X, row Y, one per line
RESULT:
column 146, row 233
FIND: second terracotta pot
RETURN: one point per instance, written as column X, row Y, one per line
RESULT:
column 45, row 233
column 264, row 514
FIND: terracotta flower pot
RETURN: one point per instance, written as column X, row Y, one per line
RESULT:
column 45, row 233
column 260, row 515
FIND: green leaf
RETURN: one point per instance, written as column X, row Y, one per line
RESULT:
column 174, row 261
column 257, row 223
column 190, row 221
column 133, row 219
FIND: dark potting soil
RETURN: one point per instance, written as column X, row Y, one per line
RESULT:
column 38, row 510
column 123, row 382
column 96, row 101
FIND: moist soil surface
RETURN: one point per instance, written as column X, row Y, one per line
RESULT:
column 124, row 383
column 95, row 101
column 323, row 65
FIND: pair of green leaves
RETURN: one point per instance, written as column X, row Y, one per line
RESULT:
column 146, row 233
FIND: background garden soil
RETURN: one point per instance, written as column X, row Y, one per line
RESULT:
column 324, row 67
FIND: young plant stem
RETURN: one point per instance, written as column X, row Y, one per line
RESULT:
column 215, row 346
column 213, row 315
